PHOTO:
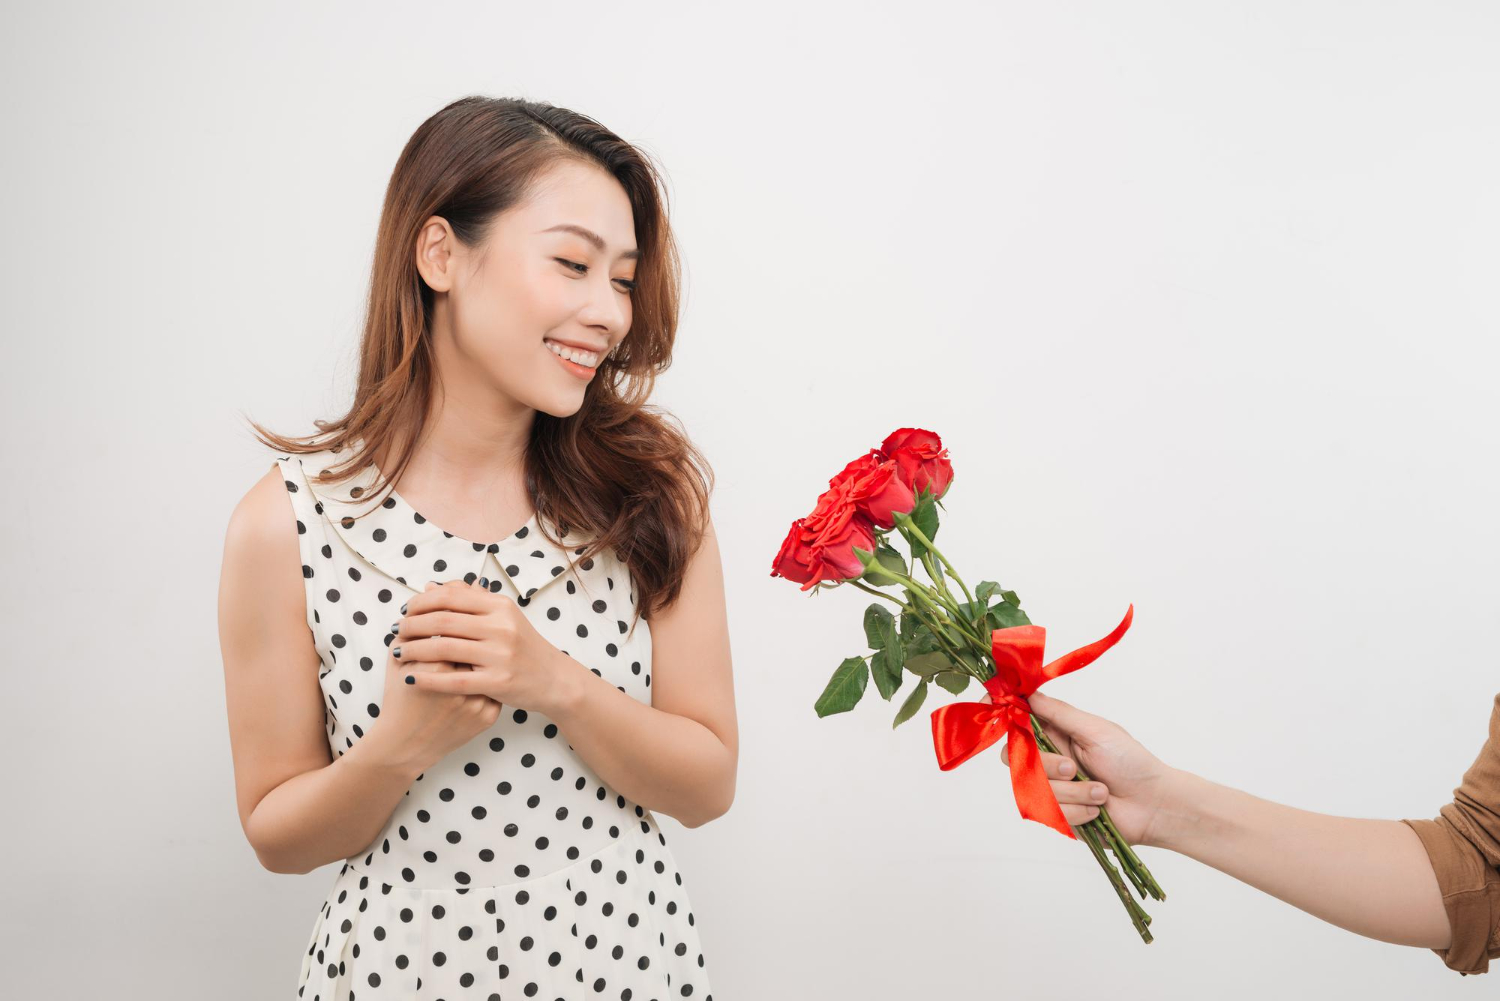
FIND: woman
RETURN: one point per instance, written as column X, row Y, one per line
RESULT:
column 473, row 728
column 1431, row 883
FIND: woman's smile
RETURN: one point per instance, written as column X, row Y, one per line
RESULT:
column 584, row 367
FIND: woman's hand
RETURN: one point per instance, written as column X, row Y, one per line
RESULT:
column 1134, row 781
column 417, row 729
column 511, row 662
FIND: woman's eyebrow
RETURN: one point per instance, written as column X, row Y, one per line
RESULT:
column 590, row 236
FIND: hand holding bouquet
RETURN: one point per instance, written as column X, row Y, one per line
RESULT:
column 943, row 640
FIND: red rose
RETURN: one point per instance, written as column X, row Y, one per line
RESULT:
column 795, row 561
column 863, row 464
column 832, row 512
column 875, row 488
column 921, row 459
column 835, row 551
column 880, row 493
column 813, row 553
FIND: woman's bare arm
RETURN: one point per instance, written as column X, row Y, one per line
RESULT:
column 299, row 807
column 678, row 755
column 1371, row 877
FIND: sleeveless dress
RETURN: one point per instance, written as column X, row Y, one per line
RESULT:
column 509, row 870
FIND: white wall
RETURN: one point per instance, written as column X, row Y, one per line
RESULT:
column 1200, row 295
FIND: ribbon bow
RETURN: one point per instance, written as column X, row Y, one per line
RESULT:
column 961, row 730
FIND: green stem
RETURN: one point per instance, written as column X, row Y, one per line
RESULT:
column 881, row 594
column 959, row 622
column 937, row 632
column 1145, row 883
column 925, row 541
column 940, row 581
column 1138, row 916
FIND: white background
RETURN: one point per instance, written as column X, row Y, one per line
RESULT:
column 1200, row 295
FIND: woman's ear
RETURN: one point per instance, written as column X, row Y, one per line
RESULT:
column 435, row 257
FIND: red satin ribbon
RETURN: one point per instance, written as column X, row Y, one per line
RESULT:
column 961, row 730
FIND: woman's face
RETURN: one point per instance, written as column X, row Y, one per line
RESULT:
column 554, row 271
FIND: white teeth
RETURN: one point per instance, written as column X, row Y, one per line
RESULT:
column 585, row 358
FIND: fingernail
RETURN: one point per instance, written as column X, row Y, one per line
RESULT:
column 396, row 626
column 484, row 582
column 410, row 680
column 1066, row 768
column 1097, row 794
column 396, row 652
column 403, row 608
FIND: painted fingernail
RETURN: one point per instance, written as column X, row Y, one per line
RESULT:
column 484, row 582
column 410, row 680
column 396, row 626
column 396, row 652
column 1097, row 793
column 403, row 608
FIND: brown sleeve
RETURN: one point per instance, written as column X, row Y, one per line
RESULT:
column 1463, row 843
column 1471, row 895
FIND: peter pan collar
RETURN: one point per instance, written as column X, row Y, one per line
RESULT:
column 398, row 541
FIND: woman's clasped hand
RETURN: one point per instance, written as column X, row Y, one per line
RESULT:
column 457, row 655
column 457, row 625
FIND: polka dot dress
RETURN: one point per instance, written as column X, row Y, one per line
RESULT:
column 509, row 870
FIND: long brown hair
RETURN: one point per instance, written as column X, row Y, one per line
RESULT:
column 618, row 471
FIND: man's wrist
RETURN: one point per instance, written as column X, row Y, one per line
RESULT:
column 1179, row 814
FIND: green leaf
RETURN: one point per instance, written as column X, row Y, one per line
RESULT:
column 953, row 681
column 925, row 665
column 890, row 557
column 845, row 687
column 969, row 657
column 924, row 517
column 885, row 668
column 971, row 608
column 911, row 705
column 879, row 626
column 1011, row 597
column 954, row 636
column 1003, row 615
column 984, row 590
column 922, row 641
column 909, row 624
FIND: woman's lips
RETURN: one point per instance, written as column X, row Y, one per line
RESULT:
column 571, row 367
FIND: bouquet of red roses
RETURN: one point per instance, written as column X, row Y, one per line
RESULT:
column 942, row 640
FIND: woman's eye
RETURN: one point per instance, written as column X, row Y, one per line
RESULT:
column 583, row 269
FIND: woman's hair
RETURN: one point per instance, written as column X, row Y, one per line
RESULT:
column 617, row 471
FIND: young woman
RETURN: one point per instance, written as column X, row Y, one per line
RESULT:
column 1426, row 883
column 476, row 693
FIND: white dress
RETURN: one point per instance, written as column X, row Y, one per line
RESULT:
column 509, row 870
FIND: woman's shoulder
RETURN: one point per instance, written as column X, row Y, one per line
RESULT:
column 262, row 530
